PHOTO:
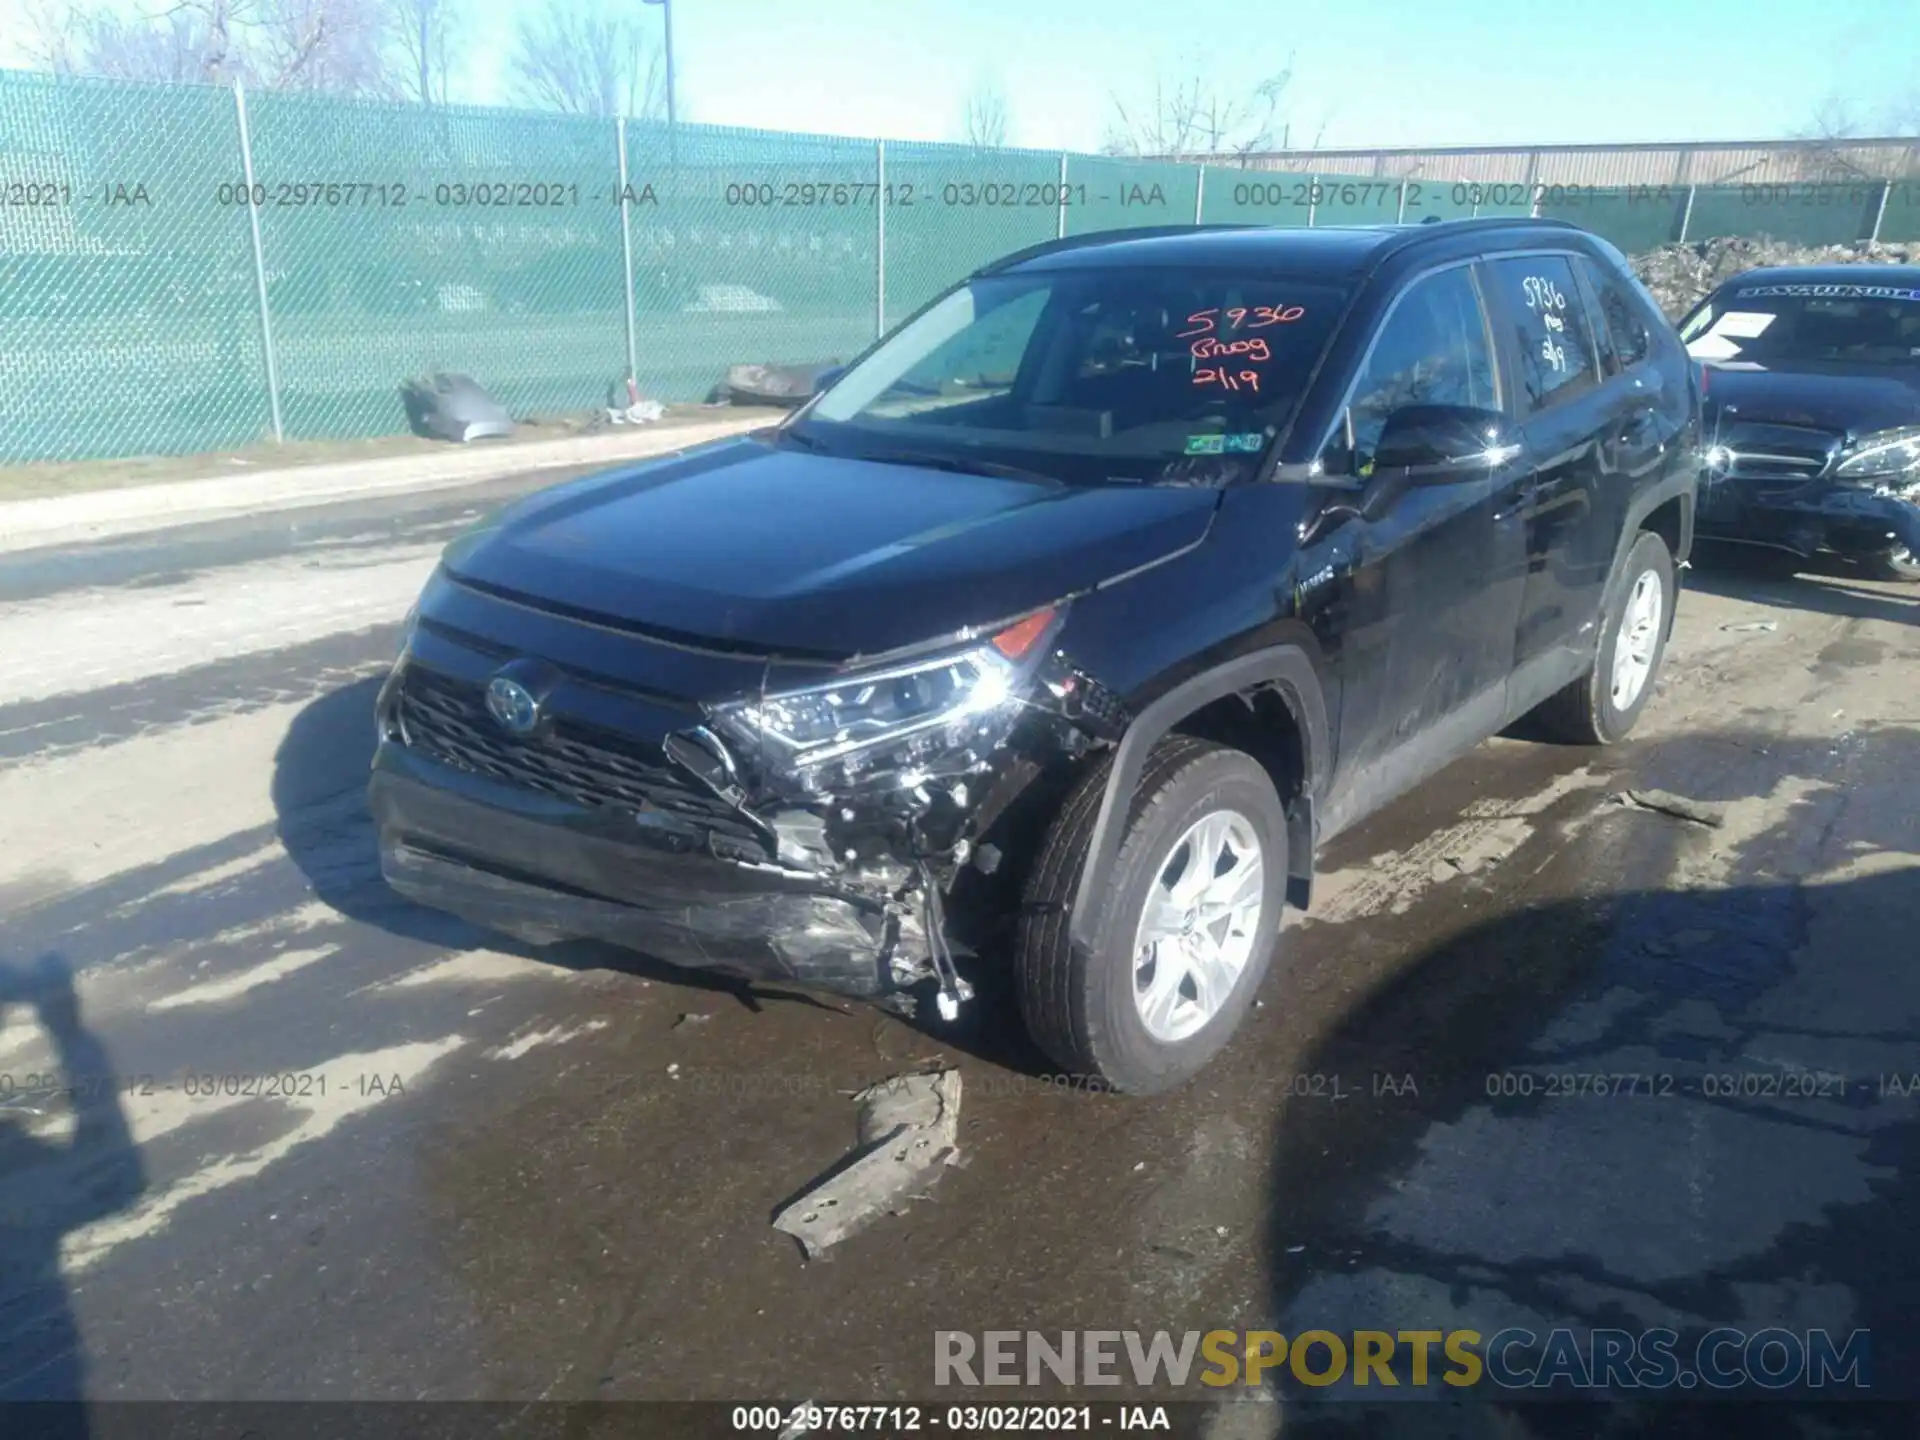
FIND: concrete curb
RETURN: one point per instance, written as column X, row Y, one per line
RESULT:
column 136, row 509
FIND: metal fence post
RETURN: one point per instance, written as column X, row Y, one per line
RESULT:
column 1200, row 195
column 626, row 249
column 1686, row 214
column 1400, row 215
column 1880, row 212
column 880, row 238
column 1060, row 219
column 259, row 263
column 1313, row 198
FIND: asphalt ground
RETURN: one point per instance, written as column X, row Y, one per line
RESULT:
column 269, row 1133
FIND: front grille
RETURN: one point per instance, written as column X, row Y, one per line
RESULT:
column 447, row 720
column 1788, row 454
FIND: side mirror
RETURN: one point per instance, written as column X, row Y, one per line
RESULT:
column 1433, row 444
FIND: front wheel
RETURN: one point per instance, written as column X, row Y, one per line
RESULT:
column 1602, row 705
column 1186, row 930
column 1895, row 563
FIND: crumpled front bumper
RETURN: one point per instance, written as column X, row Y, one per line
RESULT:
column 539, row 867
column 1814, row 516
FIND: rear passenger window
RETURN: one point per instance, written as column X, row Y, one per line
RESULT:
column 1433, row 350
column 1543, row 304
column 1624, row 324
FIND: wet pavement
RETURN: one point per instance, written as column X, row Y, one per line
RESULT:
column 311, row 1142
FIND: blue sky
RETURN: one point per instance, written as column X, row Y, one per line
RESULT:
column 1367, row 72
column 1373, row 72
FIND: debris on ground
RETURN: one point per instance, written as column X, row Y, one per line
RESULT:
column 692, row 1017
column 1768, row 626
column 1702, row 812
column 787, row 385
column 1681, row 275
column 627, row 406
column 909, row 1129
column 440, row 406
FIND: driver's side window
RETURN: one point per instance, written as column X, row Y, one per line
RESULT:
column 1433, row 350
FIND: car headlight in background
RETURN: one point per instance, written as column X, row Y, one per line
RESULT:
column 1883, row 455
column 906, row 721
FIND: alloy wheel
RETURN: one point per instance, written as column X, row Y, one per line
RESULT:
column 1199, row 926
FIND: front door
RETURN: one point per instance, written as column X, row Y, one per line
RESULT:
column 1434, row 593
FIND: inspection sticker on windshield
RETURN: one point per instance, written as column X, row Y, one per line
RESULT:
column 1248, row 444
column 1742, row 324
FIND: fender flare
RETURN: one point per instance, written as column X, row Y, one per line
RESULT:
column 1285, row 668
column 1685, row 488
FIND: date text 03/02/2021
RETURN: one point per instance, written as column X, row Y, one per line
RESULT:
column 813, row 1419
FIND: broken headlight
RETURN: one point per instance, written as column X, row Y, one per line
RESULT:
column 1883, row 455
column 923, row 717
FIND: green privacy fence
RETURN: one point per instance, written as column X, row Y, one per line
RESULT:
column 196, row 268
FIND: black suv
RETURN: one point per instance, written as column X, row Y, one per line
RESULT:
column 1813, row 413
column 1062, row 627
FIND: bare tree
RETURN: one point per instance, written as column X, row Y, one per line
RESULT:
column 336, row 46
column 983, row 121
column 588, row 57
column 169, row 50
column 429, row 39
column 1836, row 123
column 1191, row 119
column 49, row 35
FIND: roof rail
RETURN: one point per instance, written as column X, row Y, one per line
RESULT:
column 1103, row 237
column 1406, row 235
column 1414, row 234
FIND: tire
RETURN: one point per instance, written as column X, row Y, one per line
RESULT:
column 1079, row 1005
column 1896, row 563
column 1587, row 712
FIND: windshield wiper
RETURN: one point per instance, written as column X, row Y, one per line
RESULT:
column 962, row 465
column 786, row 434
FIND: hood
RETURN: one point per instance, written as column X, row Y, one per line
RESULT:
column 781, row 552
column 1854, row 399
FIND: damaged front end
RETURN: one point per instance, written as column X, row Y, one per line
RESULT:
column 889, row 776
column 809, row 833
column 1764, row 485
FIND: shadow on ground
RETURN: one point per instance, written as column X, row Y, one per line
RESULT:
column 1822, row 585
column 50, row 1187
column 1662, row 1109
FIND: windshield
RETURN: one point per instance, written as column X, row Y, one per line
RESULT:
column 1865, row 324
column 1129, row 375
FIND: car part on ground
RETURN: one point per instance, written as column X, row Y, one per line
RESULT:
column 909, row 1130
column 454, row 407
column 782, row 385
column 1052, row 634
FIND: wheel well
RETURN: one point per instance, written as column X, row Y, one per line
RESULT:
column 1668, row 521
column 1256, row 721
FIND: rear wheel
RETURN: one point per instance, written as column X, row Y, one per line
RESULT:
column 1602, row 705
column 1184, row 934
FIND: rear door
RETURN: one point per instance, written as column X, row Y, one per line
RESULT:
column 1576, row 420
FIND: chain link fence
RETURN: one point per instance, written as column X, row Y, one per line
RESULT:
column 193, row 268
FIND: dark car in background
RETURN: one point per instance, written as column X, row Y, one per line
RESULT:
column 1063, row 627
column 1812, row 381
